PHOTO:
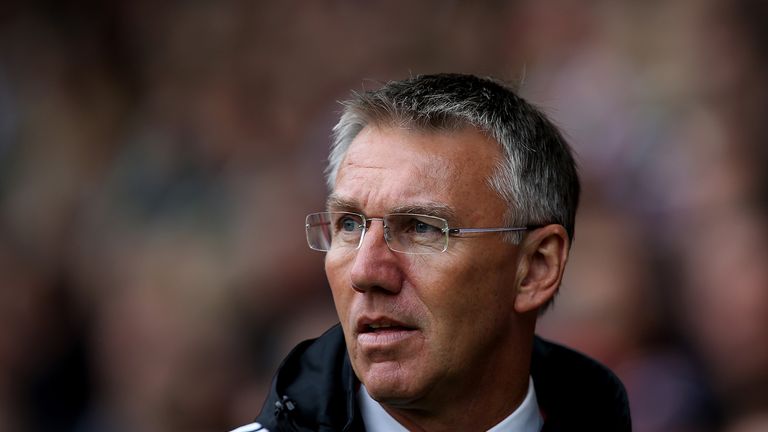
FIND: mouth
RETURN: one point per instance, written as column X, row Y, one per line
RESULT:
column 383, row 332
column 382, row 325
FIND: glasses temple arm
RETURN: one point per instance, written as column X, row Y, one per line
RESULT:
column 459, row 231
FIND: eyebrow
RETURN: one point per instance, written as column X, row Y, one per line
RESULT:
column 428, row 208
column 337, row 203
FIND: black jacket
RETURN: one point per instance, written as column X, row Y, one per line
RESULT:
column 314, row 390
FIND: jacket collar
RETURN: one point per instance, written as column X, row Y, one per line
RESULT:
column 315, row 387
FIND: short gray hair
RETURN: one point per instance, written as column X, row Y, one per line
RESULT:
column 537, row 175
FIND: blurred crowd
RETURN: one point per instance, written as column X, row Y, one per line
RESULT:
column 157, row 160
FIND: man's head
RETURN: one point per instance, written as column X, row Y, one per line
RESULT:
column 428, row 333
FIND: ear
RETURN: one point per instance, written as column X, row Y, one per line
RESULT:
column 544, row 252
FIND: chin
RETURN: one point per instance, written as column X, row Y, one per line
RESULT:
column 392, row 397
column 392, row 386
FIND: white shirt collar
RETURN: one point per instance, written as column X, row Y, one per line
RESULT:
column 526, row 418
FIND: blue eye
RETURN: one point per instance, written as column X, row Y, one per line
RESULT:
column 422, row 228
column 348, row 224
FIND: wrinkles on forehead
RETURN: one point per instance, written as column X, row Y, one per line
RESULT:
column 433, row 165
column 389, row 170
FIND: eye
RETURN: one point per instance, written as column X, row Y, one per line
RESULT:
column 423, row 226
column 348, row 224
column 420, row 227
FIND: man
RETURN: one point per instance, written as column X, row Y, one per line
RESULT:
column 446, row 234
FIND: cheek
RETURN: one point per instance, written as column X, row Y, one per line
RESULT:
column 466, row 296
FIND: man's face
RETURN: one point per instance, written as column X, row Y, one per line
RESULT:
column 423, row 328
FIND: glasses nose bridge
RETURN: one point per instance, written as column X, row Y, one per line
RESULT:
column 367, row 226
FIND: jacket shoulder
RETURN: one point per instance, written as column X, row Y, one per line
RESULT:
column 312, row 388
column 575, row 391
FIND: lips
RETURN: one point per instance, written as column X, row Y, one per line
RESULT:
column 382, row 338
column 381, row 324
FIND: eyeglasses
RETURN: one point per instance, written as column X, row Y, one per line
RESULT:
column 404, row 232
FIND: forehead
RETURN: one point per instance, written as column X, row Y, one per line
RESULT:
column 389, row 167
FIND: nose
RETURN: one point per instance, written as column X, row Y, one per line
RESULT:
column 375, row 266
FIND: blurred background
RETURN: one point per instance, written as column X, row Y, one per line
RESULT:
column 157, row 160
